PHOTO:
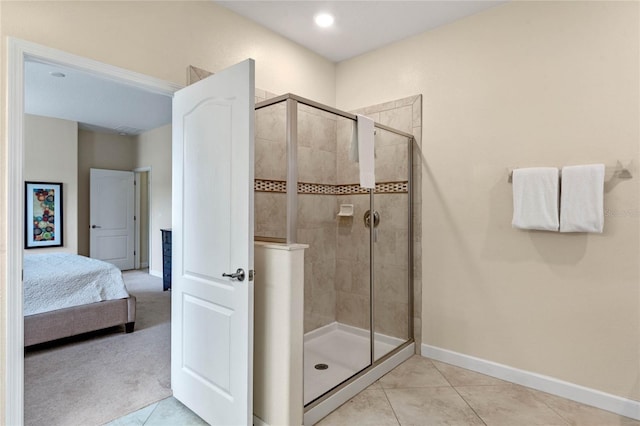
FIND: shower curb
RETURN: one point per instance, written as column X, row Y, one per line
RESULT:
column 325, row 407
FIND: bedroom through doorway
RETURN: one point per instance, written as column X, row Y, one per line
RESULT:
column 100, row 365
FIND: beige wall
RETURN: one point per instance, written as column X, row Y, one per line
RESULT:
column 51, row 155
column 159, row 39
column 98, row 151
column 153, row 149
column 523, row 84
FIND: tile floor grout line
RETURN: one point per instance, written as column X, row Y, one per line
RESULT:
column 456, row 391
column 390, row 404
column 547, row 405
column 501, row 397
column 152, row 411
column 419, row 387
column 469, row 405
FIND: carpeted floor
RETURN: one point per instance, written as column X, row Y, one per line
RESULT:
column 95, row 379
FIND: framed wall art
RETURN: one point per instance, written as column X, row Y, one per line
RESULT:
column 43, row 222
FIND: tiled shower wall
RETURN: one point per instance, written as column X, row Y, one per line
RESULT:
column 271, row 169
column 316, row 210
column 317, row 213
column 337, row 261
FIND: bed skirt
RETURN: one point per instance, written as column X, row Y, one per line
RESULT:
column 48, row 326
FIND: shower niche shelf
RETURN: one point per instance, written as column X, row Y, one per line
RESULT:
column 346, row 210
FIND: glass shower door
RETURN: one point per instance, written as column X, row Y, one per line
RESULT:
column 391, row 242
column 337, row 302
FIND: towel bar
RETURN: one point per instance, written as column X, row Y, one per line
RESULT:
column 618, row 171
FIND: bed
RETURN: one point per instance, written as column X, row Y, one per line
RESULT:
column 66, row 294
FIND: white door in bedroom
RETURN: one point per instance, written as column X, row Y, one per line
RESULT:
column 112, row 199
column 212, row 221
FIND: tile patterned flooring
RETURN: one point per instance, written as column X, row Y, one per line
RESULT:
column 168, row 412
column 424, row 392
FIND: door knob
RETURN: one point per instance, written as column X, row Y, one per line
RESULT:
column 367, row 218
column 238, row 275
column 96, row 226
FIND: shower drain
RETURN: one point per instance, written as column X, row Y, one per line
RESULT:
column 321, row 366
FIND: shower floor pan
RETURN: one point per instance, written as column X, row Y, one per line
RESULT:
column 344, row 350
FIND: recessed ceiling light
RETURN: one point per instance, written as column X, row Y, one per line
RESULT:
column 57, row 74
column 323, row 20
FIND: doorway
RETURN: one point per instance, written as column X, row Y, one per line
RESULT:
column 19, row 52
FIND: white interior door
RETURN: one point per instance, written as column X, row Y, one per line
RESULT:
column 112, row 199
column 212, row 224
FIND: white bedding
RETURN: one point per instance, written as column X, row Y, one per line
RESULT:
column 62, row 280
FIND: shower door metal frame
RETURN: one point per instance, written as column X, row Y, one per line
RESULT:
column 292, row 170
column 292, row 102
column 326, row 108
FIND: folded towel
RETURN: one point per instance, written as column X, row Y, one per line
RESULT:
column 581, row 200
column 366, row 155
column 535, row 198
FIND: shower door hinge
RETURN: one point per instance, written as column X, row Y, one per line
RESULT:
column 251, row 274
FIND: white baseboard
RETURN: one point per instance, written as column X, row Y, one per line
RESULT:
column 595, row 398
column 144, row 265
column 155, row 273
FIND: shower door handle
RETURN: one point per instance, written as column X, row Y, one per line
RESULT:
column 238, row 275
column 367, row 218
column 376, row 222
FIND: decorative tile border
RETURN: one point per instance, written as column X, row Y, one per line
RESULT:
column 381, row 188
column 266, row 185
column 351, row 189
column 316, row 188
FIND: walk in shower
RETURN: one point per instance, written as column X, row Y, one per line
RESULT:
column 358, row 294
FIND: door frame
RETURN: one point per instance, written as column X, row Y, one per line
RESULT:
column 137, row 173
column 18, row 52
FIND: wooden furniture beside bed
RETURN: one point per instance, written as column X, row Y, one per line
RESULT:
column 166, row 259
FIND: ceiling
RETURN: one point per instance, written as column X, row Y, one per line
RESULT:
column 103, row 105
column 95, row 103
column 360, row 26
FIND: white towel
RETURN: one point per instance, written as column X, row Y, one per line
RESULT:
column 366, row 155
column 582, row 199
column 535, row 198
